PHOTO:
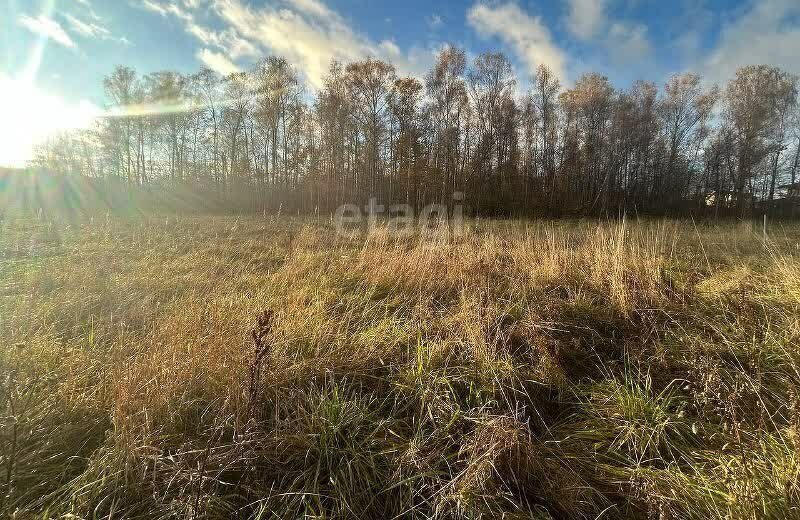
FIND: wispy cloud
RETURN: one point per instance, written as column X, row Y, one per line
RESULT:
column 83, row 22
column 87, row 29
column 627, row 42
column 93, row 30
column 89, row 11
column 434, row 21
column 47, row 28
column 527, row 35
column 155, row 6
column 623, row 41
column 217, row 62
column 227, row 40
column 312, row 7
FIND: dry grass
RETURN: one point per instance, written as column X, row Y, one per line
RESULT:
column 517, row 370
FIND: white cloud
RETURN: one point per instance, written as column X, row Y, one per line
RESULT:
column 586, row 18
column 766, row 32
column 47, row 28
column 306, row 32
column 217, row 62
column 527, row 35
column 309, row 36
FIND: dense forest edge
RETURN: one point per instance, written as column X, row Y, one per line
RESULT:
column 265, row 141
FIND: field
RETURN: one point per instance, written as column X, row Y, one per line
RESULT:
column 270, row 368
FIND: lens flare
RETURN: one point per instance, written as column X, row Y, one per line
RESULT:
column 31, row 116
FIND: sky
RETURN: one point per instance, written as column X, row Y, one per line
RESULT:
column 55, row 53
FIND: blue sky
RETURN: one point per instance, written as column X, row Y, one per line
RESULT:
column 61, row 49
column 624, row 39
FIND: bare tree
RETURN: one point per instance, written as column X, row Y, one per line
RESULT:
column 491, row 81
column 120, row 87
column 238, row 96
column 368, row 84
column 447, row 92
column 261, row 139
column 754, row 109
column 544, row 98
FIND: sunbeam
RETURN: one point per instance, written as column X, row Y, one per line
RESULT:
column 32, row 115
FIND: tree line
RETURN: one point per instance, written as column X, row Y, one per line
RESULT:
column 261, row 140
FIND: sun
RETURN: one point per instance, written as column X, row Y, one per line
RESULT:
column 30, row 116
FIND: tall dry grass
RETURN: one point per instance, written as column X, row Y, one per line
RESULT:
column 518, row 369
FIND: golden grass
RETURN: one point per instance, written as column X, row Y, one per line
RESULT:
column 517, row 369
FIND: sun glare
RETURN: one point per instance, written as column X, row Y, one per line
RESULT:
column 31, row 115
